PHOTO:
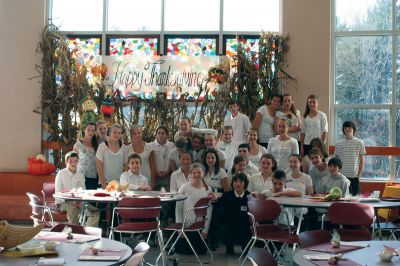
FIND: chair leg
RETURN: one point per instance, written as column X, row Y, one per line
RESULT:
column 209, row 251
column 191, row 246
column 166, row 245
column 111, row 235
column 244, row 250
column 250, row 248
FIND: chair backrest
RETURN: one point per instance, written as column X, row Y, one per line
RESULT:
column 264, row 210
column 48, row 189
column 315, row 237
column 261, row 257
column 356, row 214
column 201, row 206
column 77, row 229
column 138, row 253
column 143, row 207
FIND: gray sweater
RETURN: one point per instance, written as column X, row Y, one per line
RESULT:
column 330, row 181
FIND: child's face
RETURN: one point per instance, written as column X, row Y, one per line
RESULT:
column 184, row 126
column 197, row 145
column 209, row 141
column 334, row 169
column 115, row 134
column 252, row 136
column 266, row 164
column 294, row 163
column 72, row 164
column 276, row 103
column 238, row 186
column 185, row 160
column 315, row 159
column 349, row 132
column 239, row 167
column 282, row 128
column 287, row 102
column 278, row 185
column 244, row 152
column 312, row 104
column 197, row 173
column 90, row 130
column 102, row 130
column 136, row 134
column 161, row 136
column 210, row 159
column 134, row 165
column 227, row 135
column 233, row 108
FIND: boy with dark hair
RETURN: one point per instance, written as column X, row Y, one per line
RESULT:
column 236, row 220
column 244, row 151
column 351, row 151
column 239, row 122
column 335, row 178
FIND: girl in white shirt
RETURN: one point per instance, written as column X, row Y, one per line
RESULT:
column 263, row 180
column 315, row 125
column 256, row 150
column 215, row 176
column 289, row 112
column 282, row 146
column 296, row 179
column 265, row 119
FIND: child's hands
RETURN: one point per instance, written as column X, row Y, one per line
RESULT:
column 212, row 196
column 254, row 194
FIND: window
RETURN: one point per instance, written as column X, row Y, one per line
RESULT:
column 141, row 46
column 191, row 46
column 366, row 60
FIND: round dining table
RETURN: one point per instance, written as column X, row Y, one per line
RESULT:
column 363, row 256
column 71, row 251
column 311, row 202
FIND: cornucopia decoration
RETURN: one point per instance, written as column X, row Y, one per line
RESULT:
column 116, row 186
column 11, row 235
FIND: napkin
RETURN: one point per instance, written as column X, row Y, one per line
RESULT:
column 354, row 244
column 318, row 257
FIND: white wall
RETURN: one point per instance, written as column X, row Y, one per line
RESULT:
column 21, row 22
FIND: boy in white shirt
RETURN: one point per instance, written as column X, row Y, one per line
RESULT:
column 244, row 151
column 239, row 122
column 133, row 177
column 67, row 179
column 228, row 146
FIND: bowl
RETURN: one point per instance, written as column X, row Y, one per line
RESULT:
column 49, row 245
column 29, row 248
column 385, row 256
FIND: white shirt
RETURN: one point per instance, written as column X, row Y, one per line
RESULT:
column 134, row 181
column 281, row 150
column 214, row 181
column 257, row 183
column 266, row 128
column 193, row 195
column 255, row 159
column 314, row 127
column 301, row 183
column 178, row 178
column 251, row 169
column 66, row 180
column 113, row 163
column 161, row 154
column 230, row 150
column 240, row 125
column 87, row 160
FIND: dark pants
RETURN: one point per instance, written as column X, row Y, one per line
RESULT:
column 236, row 235
column 354, row 186
column 216, row 218
column 307, row 149
column 91, row 183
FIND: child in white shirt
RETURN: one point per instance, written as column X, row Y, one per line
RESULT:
column 133, row 177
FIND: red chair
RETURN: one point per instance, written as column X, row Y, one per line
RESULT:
column 264, row 215
column 200, row 212
column 261, row 257
column 78, row 229
column 41, row 214
column 315, row 237
column 138, row 253
column 353, row 219
column 48, row 189
column 136, row 216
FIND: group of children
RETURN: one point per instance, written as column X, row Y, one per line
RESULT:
column 264, row 157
